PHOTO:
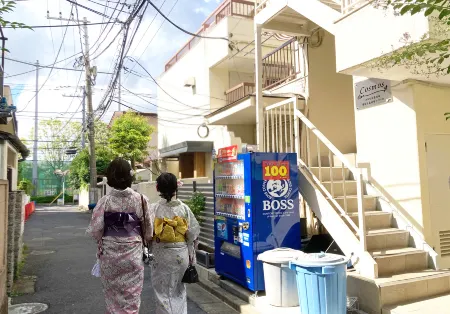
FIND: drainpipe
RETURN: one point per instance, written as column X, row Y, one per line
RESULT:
column 259, row 85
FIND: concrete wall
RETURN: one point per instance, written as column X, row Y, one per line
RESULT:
column 357, row 41
column 331, row 98
column 3, row 246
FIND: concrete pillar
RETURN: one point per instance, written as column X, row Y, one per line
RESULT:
column 18, row 228
column 259, row 86
column 11, row 229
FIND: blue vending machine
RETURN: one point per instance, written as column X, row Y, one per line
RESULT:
column 256, row 209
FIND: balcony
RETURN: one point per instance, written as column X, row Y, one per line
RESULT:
column 282, row 65
column 239, row 8
column 239, row 92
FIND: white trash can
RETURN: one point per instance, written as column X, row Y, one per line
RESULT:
column 280, row 280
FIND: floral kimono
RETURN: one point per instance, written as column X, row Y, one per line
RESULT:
column 176, row 230
column 117, row 224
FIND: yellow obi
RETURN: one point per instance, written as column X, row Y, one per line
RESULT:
column 171, row 230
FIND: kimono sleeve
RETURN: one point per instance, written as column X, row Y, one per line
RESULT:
column 149, row 212
column 193, row 226
column 97, row 223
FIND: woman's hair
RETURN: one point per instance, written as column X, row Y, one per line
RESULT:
column 167, row 185
column 119, row 174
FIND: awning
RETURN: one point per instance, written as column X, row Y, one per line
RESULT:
column 16, row 143
column 186, row 147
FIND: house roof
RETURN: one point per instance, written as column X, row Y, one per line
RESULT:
column 186, row 147
column 16, row 143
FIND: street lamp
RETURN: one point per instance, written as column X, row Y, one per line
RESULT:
column 62, row 174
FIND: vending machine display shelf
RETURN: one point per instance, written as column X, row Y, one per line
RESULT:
column 235, row 196
column 237, row 177
column 230, row 215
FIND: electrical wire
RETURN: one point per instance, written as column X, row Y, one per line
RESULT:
column 58, row 26
column 89, row 9
column 51, row 69
column 151, row 40
column 180, row 28
column 48, row 67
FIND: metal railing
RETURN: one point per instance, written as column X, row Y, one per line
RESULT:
column 348, row 6
column 239, row 92
column 282, row 64
column 285, row 127
column 240, row 8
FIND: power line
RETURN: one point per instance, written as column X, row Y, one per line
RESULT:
column 48, row 67
column 89, row 9
column 180, row 28
column 68, row 25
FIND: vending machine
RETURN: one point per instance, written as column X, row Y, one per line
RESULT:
column 256, row 209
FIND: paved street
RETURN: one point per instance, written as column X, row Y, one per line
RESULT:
column 62, row 256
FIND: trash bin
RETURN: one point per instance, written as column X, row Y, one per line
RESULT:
column 279, row 279
column 321, row 283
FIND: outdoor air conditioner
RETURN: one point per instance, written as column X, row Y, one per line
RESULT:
column 189, row 82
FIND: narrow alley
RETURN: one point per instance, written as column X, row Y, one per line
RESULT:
column 61, row 256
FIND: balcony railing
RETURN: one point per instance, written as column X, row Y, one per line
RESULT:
column 240, row 8
column 239, row 92
column 282, row 64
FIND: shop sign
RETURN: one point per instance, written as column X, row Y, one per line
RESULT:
column 227, row 154
column 372, row 92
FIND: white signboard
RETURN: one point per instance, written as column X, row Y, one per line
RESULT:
column 372, row 92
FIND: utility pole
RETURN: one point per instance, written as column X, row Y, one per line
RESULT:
column 83, row 111
column 36, row 123
column 120, row 89
column 90, row 116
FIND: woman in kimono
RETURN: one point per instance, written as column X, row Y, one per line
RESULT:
column 175, row 232
column 118, row 224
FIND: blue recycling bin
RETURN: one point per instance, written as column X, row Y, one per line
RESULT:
column 321, row 283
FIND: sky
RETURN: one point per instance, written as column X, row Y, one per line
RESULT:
column 152, row 47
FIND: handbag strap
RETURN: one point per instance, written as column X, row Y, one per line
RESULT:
column 145, row 224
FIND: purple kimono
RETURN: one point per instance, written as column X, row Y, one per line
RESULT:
column 116, row 225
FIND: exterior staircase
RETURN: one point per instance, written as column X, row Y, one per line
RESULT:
column 392, row 268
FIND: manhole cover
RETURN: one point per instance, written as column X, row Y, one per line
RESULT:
column 41, row 252
column 27, row 308
column 42, row 239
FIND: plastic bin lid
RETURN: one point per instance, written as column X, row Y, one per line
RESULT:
column 280, row 255
column 320, row 259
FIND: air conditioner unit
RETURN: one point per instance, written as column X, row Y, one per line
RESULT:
column 189, row 82
column 205, row 259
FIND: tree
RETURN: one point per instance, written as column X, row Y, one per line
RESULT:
column 426, row 56
column 6, row 7
column 79, row 168
column 130, row 134
column 55, row 138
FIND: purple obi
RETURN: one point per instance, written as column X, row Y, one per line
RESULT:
column 122, row 225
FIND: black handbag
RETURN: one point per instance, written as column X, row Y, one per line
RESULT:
column 146, row 256
column 190, row 275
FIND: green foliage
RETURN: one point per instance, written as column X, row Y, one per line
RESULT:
column 130, row 134
column 49, row 199
column 197, row 204
column 26, row 185
column 79, row 168
column 427, row 56
column 8, row 7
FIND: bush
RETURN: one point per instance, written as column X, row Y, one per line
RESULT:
column 197, row 204
column 26, row 185
column 49, row 199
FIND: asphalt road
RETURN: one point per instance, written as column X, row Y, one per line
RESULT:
column 62, row 256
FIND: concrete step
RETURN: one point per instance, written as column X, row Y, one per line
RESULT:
column 389, row 238
column 338, row 173
column 338, row 188
column 374, row 219
column 209, row 241
column 397, row 261
column 375, row 294
column 439, row 303
column 370, row 203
